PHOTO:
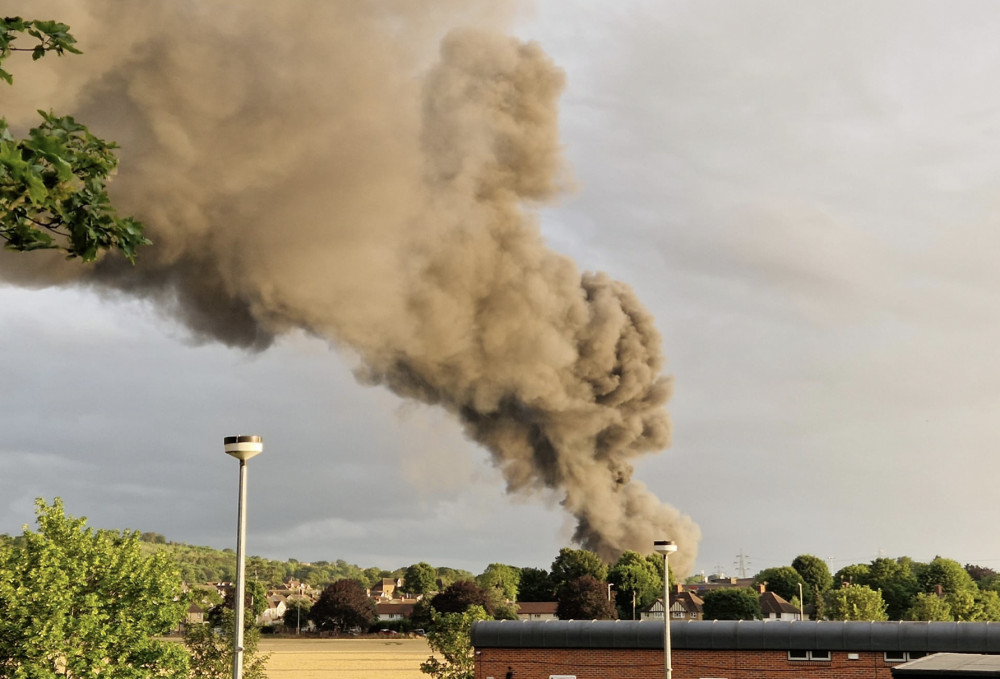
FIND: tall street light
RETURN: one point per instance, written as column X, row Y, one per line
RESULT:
column 298, row 612
column 666, row 547
column 242, row 448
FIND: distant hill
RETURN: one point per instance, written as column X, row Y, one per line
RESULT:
column 205, row 564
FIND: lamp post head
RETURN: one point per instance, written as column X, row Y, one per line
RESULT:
column 244, row 447
column 664, row 547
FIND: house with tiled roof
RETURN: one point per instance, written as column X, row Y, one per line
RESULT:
column 774, row 607
column 684, row 605
column 195, row 614
column 395, row 610
column 275, row 610
column 386, row 590
column 537, row 610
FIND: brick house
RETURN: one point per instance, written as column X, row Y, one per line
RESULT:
column 726, row 649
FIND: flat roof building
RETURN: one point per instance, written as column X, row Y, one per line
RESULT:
column 729, row 649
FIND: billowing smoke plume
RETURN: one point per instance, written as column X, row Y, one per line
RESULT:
column 366, row 171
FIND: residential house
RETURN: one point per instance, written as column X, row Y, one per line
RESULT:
column 774, row 607
column 195, row 614
column 684, row 605
column 536, row 610
column 387, row 589
column 394, row 610
column 275, row 610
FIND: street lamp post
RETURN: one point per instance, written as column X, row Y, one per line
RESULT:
column 666, row 547
column 242, row 448
column 298, row 612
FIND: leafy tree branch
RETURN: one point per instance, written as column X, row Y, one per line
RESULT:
column 53, row 184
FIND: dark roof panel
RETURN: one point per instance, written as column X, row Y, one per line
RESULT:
column 928, row 637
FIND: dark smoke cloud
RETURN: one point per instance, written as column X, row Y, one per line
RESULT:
column 367, row 171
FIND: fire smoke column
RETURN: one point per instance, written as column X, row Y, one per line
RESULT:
column 558, row 374
column 379, row 173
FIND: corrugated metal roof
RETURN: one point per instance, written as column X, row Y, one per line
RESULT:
column 928, row 637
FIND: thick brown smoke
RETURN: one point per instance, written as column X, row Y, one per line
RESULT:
column 366, row 171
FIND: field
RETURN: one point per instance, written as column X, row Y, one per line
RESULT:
column 345, row 658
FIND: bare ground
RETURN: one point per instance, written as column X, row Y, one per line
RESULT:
column 345, row 658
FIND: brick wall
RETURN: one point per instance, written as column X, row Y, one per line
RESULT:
column 540, row 663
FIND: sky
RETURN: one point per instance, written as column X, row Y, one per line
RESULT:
column 801, row 194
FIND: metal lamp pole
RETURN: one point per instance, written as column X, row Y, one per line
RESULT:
column 298, row 612
column 242, row 448
column 666, row 547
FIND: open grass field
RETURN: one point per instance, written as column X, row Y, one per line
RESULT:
column 345, row 658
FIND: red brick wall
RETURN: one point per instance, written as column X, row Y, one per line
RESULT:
column 539, row 663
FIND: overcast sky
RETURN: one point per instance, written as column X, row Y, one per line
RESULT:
column 803, row 194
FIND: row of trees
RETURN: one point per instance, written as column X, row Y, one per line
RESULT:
column 205, row 564
column 892, row 589
column 883, row 589
column 635, row 580
column 584, row 586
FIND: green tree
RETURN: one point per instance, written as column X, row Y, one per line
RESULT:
column 817, row 578
column 988, row 602
column 585, row 598
column 633, row 574
column 656, row 561
column 947, row 574
column 573, row 563
column 420, row 578
column 460, row 596
column 254, row 603
column 929, row 607
column 212, row 654
column 296, row 615
column 965, row 605
column 447, row 576
column 422, row 616
column 53, row 184
column 855, row 574
column 79, row 602
column 536, row 585
column 450, row 639
column 985, row 578
column 814, row 572
column 501, row 579
column 342, row 605
column 897, row 582
column 731, row 603
column 371, row 577
column 857, row 602
column 783, row 581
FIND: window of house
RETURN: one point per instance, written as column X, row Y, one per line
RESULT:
column 809, row 655
column 903, row 656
